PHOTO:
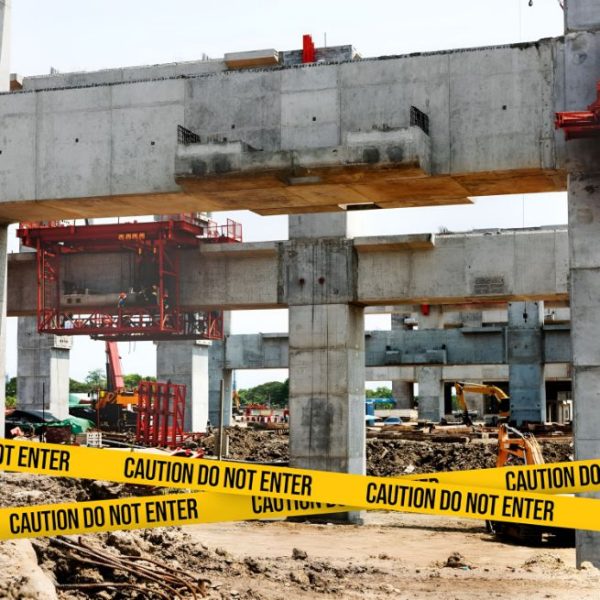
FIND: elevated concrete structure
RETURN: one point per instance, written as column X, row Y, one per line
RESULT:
column 582, row 57
column 461, row 347
column 407, row 269
column 400, row 131
column 281, row 140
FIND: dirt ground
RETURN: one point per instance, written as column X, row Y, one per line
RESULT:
column 391, row 555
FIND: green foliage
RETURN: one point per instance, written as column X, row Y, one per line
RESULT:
column 132, row 380
column 96, row 379
column 380, row 392
column 77, row 387
column 274, row 393
column 11, row 401
column 11, row 387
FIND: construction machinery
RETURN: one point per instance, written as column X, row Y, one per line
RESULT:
column 500, row 395
column 113, row 405
column 516, row 448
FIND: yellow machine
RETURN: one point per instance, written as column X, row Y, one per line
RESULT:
column 479, row 388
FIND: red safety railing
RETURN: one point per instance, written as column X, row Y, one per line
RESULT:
column 153, row 311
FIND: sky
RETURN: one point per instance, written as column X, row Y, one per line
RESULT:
column 76, row 35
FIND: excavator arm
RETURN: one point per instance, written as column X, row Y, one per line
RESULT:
column 478, row 388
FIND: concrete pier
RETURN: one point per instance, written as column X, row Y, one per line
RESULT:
column 218, row 371
column 42, row 370
column 326, row 349
column 525, row 353
column 431, row 392
column 402, row 391
column 582, row 65
column 187, row 363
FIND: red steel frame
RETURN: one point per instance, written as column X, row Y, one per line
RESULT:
column 581, row 124
column 160, row 240
column 160, row 414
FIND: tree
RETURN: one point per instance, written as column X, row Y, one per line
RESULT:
column 77, row 387
column 11, row 392
column 132, row 380
column 274, row 393
column 11, row 387
column 380, row 392
column 96, row 379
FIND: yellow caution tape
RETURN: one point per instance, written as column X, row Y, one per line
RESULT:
column 146, row 512
column 492, row 494
column 139, row 467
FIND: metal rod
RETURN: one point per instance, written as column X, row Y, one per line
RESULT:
column 221, row 418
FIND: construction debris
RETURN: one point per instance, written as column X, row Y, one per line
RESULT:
column 391, row 457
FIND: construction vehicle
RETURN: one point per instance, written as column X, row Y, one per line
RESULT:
column 480, row 388
column 516, row 448
column 113, row 405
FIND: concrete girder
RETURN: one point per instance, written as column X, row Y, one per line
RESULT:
column 105, row 145
column 457, row 268
column 467, row 346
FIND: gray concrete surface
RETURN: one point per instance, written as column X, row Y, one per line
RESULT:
column 462, row 346
column 42, row 370
column 111, row 137
column 326, row 352
column 186, row 363
column 218, row 371
column 454, row 269
column 431, row 392
column 525, row 355
column 582, row 60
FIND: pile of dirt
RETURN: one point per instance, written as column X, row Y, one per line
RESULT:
column 387, row 457
column 254, row 444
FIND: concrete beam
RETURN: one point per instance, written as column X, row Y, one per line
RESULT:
column 458, row 268
column 467, row 346
column 105, row 144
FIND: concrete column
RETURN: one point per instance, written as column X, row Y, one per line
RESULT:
column 327, row 388
column 582, row 65
column 187, row 362
column 525, row 355
column 403, row 391
column 431, row 393
column 326, row 348
column 42, row 370
column 584, row 243
column 216, row 373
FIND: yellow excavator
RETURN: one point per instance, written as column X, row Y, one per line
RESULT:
column 480, row 388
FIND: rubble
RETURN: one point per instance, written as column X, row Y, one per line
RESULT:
column 388, row 457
